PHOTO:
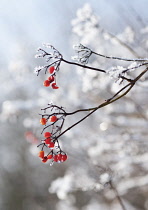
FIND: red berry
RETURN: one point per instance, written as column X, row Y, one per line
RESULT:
column 47, row 134
column 49, row 156
column 53, row 118
column 51, row 69
column 63, row 158
column 43, row 121
column 55, row 158
column 54, row 86
column 59, row 157
column 48, row 141
column 51, row 145
column 44, row 160
column 51, row 79
column 46, row 83
column 41, row 154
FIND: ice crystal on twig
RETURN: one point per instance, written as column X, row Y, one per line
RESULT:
column 83, row 53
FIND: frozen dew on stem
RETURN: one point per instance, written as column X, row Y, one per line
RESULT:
column 83, row 54
column 38, row 68
column 47, row 45
column 75, row 58
column 115, row 72
column 39, row 55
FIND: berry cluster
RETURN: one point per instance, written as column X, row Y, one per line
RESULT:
column 53, row 120
column 51, row 80
column 55, row 157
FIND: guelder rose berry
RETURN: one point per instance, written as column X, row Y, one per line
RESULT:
column 63, row 158
column 55, row 158
column 59, row 157
column 46, row 83
column 49, row 156
column 51, row 79
column 48, row 141
column 51, row 145
column 47, row 134
column 54, row 86
column 53, row 118
column 51, row 69
column 41, row 154
column 43, row 121
column 44, row 160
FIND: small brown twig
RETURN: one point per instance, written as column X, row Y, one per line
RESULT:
column 117, row 194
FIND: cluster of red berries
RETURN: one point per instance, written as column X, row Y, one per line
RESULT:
column 49, row 142
column 53, row 118
column 51, row 79
column 55, row 157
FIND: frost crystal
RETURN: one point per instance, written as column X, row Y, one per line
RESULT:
column 83, row 53
column 39, row 55
column 37, row 68
column 47, row 45
column 116, row 72
column 75, row 58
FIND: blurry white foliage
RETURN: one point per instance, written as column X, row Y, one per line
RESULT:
column 104, row 126
column 115, row 72
column 94, row 205
column 104, row 178
column 132, row 65
column 85, row 21
column 144, row 30
column 133, row 182
column 66, row 204
column 34, row 150
column 16, row 107
column 28, row 122
column 62, row 186
column 127, row 35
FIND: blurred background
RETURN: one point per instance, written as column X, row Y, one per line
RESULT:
column 111, row 144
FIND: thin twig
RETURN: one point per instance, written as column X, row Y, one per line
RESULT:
column 109, row 101
column 117, row 195
column 83, row 66
column 120, row 58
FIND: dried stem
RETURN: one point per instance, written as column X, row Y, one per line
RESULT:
column 120, row 58
column 83, row 66
column 107, row 102
column 117, row 195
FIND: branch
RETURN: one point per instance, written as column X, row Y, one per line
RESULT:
column 107, row 102
column 83, row 66
column 120, row 58
column 117, row 195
